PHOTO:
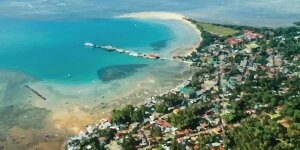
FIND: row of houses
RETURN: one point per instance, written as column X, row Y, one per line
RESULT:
column 223, row 67
column 248, row 35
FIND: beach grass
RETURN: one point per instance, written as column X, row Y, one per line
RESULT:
column 217, row 30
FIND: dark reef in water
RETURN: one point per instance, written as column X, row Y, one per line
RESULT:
column 160, row 44
column 118, row 71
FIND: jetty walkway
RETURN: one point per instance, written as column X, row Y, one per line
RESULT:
column 130, row 53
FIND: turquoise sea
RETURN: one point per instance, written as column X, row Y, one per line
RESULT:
column 50, row 50
column 80, row 83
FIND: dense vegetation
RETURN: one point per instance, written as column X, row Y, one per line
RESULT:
column 129, row 114
column 297, row 23
column 255, row 105
column 270, row 129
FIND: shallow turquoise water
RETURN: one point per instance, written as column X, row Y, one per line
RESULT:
column 49, row 50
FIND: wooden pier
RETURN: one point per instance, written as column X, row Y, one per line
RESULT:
column 35, row 92
column 123, row 51
column 109, row 48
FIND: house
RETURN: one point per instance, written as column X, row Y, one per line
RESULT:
column 180, row 140
column 270, row 60
column 82, row 134
column 252, row 45
column 89, row 129
column 105, row 125
column 207, row 85
column 239, row 78
column 143, row 143
column 215, row 144
column 284, row 122
column 233, row 41
column 247, row 50
column 115, row 127
column 106, row 119
column 278, row 60
column 205, row 59
column 117, row 136
column 230, row 126
column 244, row 63
column 162, row 123
column 133, row 126
column 176, row 111
column 218, row 130
column 221, row 147
column 183, row 132
column 188, row 93
column 278, row 108
column 216, row 53
column 250, row 35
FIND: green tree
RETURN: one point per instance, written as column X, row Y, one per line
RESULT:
column 297, row 23
column 155, row 131
column 128, row 142
column 176, row 146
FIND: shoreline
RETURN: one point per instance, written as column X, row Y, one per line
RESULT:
column 74, row 113
column 160, row 15
column 131, row 98
column 164, row 15
column 70, row 114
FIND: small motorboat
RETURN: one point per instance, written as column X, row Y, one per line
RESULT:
column 89, row 44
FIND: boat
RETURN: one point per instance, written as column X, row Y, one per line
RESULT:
column 134, row 54
column 153, row 56
column 89, row 44
column 108, row 47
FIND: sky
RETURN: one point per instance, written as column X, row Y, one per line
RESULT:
column 258, row 12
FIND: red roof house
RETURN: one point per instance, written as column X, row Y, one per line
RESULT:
column 250, row 35
column 162, row 123
column 233, row 41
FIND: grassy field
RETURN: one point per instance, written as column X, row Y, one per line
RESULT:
column 217, row 30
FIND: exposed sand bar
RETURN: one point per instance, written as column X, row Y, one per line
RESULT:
column 161, row 15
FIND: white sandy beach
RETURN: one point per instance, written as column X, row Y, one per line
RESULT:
column 162, row 15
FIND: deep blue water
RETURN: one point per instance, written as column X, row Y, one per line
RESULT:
column 49, row 50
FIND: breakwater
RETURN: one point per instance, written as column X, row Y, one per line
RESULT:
column 35, row 92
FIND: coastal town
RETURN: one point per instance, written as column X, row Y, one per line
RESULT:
column 244, row 95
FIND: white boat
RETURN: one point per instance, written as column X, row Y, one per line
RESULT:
column 108, row 47
column 89, row 44
column 134, row 54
